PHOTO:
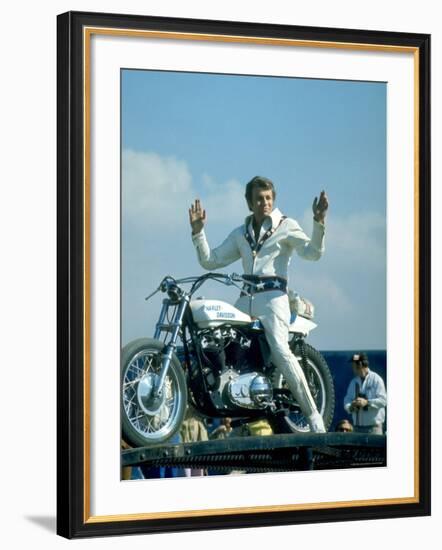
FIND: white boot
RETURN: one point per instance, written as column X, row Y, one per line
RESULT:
column 316, row 423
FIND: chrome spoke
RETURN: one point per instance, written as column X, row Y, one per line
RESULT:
column 149, row 426
column 138, row 417
column 132, row 382
column 130, row 401
column 149, row 367
column 135, row 368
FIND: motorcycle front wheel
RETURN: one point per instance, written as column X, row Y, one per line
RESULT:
column 146, row 421
column 321, row 387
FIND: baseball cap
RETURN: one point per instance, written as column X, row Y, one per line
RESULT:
column 360, row 357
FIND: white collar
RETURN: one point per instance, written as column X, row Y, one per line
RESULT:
column 366, row 376
column 274, row 217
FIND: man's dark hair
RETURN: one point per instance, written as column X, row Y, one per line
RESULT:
column 258, row 182
column 360, row 358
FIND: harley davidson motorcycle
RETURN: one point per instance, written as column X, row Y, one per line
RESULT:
column 222, row 367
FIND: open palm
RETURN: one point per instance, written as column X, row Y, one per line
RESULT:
column 197, row 216
column 320, row 207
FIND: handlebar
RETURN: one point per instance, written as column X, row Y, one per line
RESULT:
column 228, row 279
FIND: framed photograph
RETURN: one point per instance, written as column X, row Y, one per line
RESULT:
column 208, row 377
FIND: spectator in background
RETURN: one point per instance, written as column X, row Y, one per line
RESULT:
column 126, row 471
column 258, row 427
column 130, row 472
column 224, row 429
column 366, row 397
column 344, row 426
column 193, row 429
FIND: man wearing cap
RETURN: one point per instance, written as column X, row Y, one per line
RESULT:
column 265, row 244
column 366, row 397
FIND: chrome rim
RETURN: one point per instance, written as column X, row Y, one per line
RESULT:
column 152, row 420
column 297, row 420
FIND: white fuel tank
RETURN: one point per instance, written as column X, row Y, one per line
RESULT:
column 213, row 313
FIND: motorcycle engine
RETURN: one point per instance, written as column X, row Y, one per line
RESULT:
column 231, row 356
column 251, row 390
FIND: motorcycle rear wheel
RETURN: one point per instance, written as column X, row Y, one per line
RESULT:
column 321, row 386
column 140, row 363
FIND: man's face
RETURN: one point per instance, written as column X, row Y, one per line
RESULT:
column 262, row 203
column 344, row 427
column 359, row 369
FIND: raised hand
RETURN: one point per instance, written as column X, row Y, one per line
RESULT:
column 320, row 207
column 197, row 216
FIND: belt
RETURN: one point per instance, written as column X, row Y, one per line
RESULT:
column 264, row 283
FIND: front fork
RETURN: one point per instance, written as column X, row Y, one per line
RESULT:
column 171, row 346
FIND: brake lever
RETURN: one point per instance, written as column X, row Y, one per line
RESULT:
column 152, row 294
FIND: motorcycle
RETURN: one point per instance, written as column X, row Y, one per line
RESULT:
column 222, row 369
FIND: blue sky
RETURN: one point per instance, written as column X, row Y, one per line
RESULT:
column 188, row 135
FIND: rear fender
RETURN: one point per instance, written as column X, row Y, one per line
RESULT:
column 301, row 325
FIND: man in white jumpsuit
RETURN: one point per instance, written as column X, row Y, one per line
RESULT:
column 265, row 244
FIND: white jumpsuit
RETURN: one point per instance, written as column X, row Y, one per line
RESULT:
column 271, row 306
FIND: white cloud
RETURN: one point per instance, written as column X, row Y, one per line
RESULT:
column 349, row 279
column 356, row 241
column 224, row 202
column 157, row 191
column 322, row 289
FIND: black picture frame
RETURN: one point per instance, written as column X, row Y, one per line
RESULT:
column 73, row 520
